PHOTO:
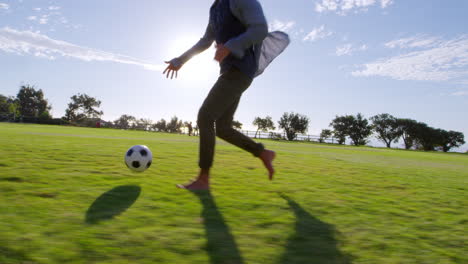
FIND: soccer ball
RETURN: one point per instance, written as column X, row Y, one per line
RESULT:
column 138, row 158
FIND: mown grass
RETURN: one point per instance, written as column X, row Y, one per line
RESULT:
column 67, row 197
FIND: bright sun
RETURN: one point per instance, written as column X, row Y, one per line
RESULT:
column 199, row 68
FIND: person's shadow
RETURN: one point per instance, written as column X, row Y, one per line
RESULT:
column 112, row 203
column 221, row 246
column 313, row 241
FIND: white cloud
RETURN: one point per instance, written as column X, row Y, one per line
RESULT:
column 4, row 6
column 290, row 28
column 442, row 60
column 317, row 33
column 344, row 50
column 63, row 20
column 326, row 5
column 44, row 19
column 39, row 45
column 344, row 6
column 386, row 3
column 348, row 49
column 52, row 17
column 460, row 93
column 282, row 26
column 419, row 41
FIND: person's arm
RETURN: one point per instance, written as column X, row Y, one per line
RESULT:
column 250, row 13
column 203, row 44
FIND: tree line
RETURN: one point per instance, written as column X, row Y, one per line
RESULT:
column 29, row 102
column 390, row 129
column 30, row 105
column 358, row 129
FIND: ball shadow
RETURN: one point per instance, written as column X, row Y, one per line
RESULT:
column 112, row 203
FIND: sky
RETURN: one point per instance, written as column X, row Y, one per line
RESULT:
column 405, row 58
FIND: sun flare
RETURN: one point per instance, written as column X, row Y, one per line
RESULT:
column 201, row 67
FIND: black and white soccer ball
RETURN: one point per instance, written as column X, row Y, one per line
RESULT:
column 138, row 158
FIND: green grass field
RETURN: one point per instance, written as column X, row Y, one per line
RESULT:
column 66, row 196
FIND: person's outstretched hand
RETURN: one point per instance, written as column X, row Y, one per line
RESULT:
column 173, row 67
column 221, row 52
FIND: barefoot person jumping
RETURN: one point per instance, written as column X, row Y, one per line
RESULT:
column 243, row 49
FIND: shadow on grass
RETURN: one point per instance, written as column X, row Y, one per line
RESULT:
column 313, row 242
column 8, row 255
column 12, row 179
column 112, row 203
column 221, row 246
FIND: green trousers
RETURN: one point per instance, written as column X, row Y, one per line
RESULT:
column 216, row 115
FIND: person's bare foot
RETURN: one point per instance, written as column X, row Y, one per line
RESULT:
column 267, row 157
column 197, row 185
column 201, row 183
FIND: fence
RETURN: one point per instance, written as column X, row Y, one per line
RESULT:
column 282, row 136
column 6, row 117
column 277, row 136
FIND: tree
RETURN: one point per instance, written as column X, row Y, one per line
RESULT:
column 142, row 124
column 387, row 128
column 341, row 126
column 81, row 107
column 360, row 130
column 9, row 108
column 340, row 136
column 124, row 122
column 450, row 139
column 13, row 109
column 4, row 104
column 263, row 124
column 326, row 133
column 407, row 128
column 293, row 123
column 236, row 124
column 426, row 137
column 355, row 127
column 175, row 125
column 44, row 116
column 160, row 126
column 31, row 103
